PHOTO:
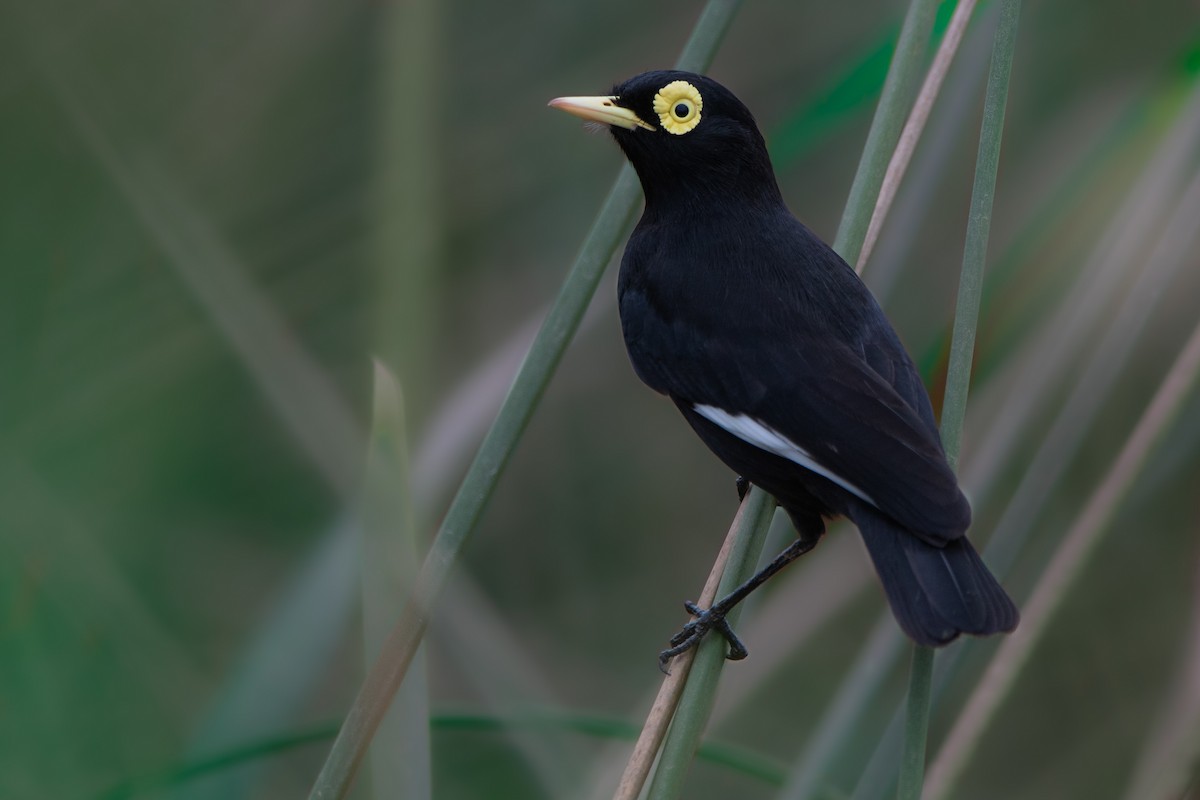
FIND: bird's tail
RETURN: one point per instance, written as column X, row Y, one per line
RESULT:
column 936, row 593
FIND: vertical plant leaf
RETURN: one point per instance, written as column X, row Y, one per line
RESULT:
column 962, row 352
column 966, row 315
column 894, row 103
column 913, row 127
column 405, row 191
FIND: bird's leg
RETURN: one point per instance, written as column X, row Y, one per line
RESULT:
column 743, row 486
column 714, row 618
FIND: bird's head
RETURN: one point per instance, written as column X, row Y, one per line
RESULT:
column 687, row 136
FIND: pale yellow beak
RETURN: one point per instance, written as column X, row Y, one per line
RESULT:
column 600, row 109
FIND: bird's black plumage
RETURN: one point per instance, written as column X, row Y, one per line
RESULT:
column 779, row 357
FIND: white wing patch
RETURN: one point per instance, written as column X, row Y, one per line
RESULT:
column 756, row 433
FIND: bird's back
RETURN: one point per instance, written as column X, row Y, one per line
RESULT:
column 755, row 315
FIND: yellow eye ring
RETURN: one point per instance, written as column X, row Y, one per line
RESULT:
column 678, row 106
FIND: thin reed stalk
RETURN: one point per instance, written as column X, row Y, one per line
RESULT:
column 962, row 353
column 894, row 104
column 914, row 126
column 400, row 763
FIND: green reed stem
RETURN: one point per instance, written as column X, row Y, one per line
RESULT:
column 962, row 352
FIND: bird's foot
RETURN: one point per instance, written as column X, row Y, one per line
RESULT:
column 743, row 486
column 690, row 635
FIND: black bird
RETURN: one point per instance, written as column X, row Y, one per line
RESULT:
column 781, row 360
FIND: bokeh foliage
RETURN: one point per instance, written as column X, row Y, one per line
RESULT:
column 196, row 226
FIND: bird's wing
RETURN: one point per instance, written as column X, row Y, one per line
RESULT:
column 887, row 357
column 859, row 425
column 815, row 400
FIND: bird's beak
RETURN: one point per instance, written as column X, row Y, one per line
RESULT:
column 600, row 109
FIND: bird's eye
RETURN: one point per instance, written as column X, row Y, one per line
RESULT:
column 678, row 106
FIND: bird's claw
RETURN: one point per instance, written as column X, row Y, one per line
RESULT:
column 706, row 619
column 743, row 486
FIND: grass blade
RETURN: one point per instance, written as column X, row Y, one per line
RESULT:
column 400, row 759
column 966, row 315
column 952, row 120
column 962, row 351
column 916, row 723
column 749, row 532
column 697, row 54
column 894, row 102
column 913, row 128
column 406, row 225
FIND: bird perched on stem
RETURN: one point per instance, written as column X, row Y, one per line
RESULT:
column 782, row 361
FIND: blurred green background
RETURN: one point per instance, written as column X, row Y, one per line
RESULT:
column 212, row 217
